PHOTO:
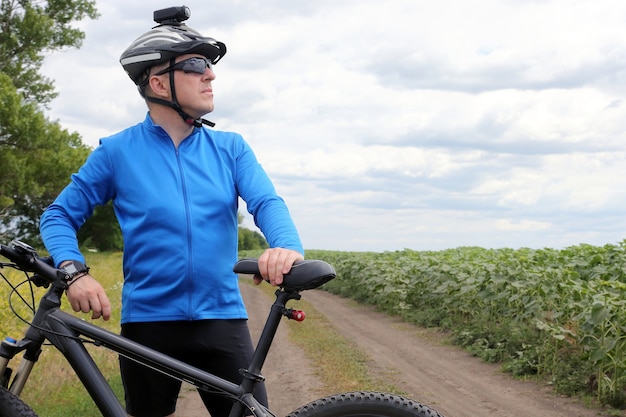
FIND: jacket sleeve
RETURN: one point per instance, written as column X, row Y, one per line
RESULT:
column 269, row 210
column 60, row 222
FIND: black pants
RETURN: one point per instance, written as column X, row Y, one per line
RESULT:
column 221, row 347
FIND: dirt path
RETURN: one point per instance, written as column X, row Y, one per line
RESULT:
column 442, row 377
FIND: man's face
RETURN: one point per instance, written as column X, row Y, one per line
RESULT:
column 194, row 91
column 192, row 82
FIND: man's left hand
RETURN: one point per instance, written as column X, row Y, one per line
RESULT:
column 274, row 263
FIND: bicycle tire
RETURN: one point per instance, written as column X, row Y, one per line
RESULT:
column 354, row 404
column 12, row 406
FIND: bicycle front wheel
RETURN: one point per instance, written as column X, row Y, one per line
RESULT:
column 12, row 406
column 372, row 404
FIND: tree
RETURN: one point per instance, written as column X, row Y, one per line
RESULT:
column 102, row 231
column 36, row 158
column 29, row 30
column 249, row 239
column 36, row 154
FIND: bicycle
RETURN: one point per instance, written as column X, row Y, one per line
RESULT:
column 69, row 334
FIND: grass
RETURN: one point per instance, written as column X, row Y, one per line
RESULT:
column 54, row 390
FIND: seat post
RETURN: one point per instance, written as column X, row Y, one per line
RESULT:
column 253, row 375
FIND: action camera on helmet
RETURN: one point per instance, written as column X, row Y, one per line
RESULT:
column 172, row 15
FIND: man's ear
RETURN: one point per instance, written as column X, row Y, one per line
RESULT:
column 159, row 84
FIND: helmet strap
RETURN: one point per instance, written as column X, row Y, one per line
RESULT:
column 174, row 104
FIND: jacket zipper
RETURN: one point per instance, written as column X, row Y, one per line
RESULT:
column 189, row 279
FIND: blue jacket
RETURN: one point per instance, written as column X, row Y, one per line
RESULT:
column 177, row 209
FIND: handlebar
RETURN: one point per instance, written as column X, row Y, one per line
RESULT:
column 26, row 259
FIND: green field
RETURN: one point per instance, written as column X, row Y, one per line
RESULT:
column 554, row 315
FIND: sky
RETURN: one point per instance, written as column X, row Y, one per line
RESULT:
column 403, row 123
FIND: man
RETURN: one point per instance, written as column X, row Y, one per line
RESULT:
column 175, row 187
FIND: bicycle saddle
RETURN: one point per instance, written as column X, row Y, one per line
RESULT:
column 304, row 275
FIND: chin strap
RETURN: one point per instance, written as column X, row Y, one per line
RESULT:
column 187, row 118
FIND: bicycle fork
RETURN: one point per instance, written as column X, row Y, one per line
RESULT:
column 30, row 344
column 8, row 349
column 65, row 340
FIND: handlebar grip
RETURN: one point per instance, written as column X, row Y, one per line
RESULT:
column 21, row 254
column 10, row 253
column 26, row 258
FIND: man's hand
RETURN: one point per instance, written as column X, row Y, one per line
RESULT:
column 86, row 294
column 274, row 263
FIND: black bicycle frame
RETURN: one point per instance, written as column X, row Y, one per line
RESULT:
column 63, row 331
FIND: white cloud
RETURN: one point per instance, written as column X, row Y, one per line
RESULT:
column 508, row 225
column 402, row 124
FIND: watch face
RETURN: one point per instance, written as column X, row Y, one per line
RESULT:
column 70, row 269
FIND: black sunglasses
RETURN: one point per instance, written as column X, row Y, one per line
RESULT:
column 196, row 65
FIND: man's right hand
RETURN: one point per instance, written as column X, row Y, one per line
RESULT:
column 86, row 294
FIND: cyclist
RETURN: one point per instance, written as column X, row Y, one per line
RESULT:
column 175, row 187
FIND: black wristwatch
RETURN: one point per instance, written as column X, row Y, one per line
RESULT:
column 74, row 268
